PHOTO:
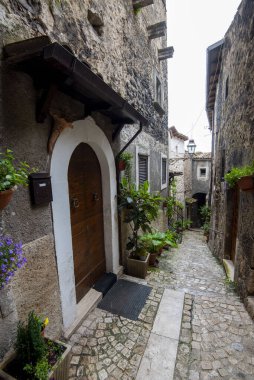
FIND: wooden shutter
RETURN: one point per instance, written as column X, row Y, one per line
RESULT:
column 164, row 171
column 142, row 169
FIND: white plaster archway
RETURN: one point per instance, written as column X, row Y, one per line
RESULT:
column 88, row 132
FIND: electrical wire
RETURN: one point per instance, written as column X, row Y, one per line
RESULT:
column 203, row 108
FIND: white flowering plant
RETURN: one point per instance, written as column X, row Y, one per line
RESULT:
column 11, row 258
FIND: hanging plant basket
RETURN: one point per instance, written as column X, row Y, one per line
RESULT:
column 121, row 165
column 5, row 198
column 246, row 183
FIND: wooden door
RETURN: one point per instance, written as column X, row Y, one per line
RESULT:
column 86, row 207
column 234, row 223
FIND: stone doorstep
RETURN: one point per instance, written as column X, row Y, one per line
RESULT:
column 87, row 304
column 133, row 279
column 229, row 269
column 159, row 359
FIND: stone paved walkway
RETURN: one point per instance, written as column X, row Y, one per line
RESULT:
column 217, row 335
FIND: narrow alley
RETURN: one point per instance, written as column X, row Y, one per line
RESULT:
column 216, row 338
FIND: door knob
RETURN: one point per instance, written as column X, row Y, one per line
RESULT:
column 95, row 196
column 74, row 202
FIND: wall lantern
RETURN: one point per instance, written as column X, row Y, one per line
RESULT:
column 191, row 147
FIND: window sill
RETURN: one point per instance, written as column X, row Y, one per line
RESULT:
column 158, row 108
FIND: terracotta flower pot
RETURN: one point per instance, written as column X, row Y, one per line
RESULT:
column 5, row 198
column 246, row 183
column 152, row 259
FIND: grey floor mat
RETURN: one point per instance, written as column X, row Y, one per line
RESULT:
column 125, row 298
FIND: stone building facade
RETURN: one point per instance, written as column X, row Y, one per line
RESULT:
column 230, row 105
column 78, row 81
column 176, row 161
column 197, row 174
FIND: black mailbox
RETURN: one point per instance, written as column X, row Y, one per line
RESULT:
column 40, row 188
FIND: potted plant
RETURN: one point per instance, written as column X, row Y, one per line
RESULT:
column 140, row 209
column 242, row 176
column 155, row 243
column 11, row 176
column 36, row 357
column 11, row 258
column 205, row 212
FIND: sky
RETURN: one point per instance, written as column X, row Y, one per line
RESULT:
column 193, row 25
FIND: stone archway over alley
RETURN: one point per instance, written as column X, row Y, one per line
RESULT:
column 216, row 337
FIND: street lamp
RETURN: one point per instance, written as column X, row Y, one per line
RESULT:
column 191, row 147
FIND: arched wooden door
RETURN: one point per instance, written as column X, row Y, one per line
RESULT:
column 86, row 208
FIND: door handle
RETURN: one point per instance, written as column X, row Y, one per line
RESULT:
column 74, row 202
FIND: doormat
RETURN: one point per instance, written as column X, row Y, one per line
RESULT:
column 126, row 299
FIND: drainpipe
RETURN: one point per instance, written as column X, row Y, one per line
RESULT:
column 118, row 184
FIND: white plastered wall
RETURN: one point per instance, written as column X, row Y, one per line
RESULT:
column 88, row 132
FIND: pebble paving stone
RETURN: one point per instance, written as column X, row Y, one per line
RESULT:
column 217, row 334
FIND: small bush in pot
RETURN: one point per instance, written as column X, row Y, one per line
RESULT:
column 36, row 357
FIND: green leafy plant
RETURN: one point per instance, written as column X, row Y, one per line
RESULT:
column 12, row 174
column 236, row 173
column 155, row 241
column 140, row 209
column 137, row 10
column 35, row 355
column 186, row 224
column 205, row 213
column 31, row 348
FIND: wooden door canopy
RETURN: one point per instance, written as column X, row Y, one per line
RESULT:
column 141, row 3
column 51, row 64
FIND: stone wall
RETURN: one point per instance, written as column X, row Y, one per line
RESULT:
column 234, row 143
column 119, row 50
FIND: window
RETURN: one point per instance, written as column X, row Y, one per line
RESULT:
column 202, row 172
column 226, row 89
column 158, row 91
column 142, row 168
column 164, row 171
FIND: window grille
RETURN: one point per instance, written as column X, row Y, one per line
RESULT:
column 163, row 171
column 142, row 168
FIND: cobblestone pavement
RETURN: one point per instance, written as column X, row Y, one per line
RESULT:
column 217, row 335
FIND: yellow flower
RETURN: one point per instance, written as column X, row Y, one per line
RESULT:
column 45, row 323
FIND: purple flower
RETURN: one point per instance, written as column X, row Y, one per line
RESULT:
column 11, row 258
column 8, row 241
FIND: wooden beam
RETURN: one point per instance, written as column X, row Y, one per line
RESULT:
column 157, row 30
column 165, row 53
column 26, row 47
column 137, row 4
